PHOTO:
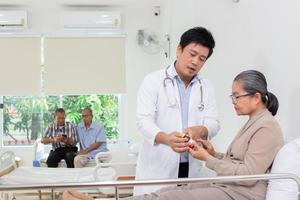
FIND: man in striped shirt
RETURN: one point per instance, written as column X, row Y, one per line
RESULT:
column 63, row 137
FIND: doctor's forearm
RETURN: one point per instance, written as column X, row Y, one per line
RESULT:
column 204, row 134
column 201, row 132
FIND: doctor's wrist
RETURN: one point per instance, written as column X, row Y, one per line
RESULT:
column 162, row 138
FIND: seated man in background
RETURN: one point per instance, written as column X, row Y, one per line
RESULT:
column 92, row 139
column 63, row 137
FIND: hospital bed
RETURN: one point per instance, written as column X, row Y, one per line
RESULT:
column 13, row 181
column 283, row 186
column 117, row 184
column 108, row 168
column 11, row 174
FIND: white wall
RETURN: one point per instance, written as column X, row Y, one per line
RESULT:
column 44, row 19
column 138, row 63
column 262, row 35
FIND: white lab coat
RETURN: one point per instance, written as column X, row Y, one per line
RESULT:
column 157, row 111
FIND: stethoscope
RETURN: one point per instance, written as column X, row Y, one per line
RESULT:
column 172, row 101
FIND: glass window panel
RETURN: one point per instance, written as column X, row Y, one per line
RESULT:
column 26, row 118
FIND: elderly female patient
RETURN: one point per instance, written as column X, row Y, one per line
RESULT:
column 251, row 152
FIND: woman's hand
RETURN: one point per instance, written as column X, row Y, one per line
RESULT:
column 199, row 152
column 207, row 146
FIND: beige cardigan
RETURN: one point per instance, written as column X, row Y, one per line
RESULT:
column 251, row 152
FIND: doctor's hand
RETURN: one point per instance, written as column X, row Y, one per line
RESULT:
column 199, row 152
column 177, row 142
column 196, row 132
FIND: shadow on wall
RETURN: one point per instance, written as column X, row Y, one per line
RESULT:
column 293, row 115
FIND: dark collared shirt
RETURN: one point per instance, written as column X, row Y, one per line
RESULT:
column 68, row 129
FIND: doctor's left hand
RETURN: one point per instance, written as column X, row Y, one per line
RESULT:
column 196, row 132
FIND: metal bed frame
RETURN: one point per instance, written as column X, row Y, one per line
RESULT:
column 117, row 184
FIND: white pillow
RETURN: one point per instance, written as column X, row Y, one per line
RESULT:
column 287, row 161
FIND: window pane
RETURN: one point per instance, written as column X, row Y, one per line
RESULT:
column 25, row 118
column 105, row 110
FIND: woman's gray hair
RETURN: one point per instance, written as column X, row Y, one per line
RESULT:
column 254, row 81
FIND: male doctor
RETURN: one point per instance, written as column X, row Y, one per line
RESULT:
column 173, row 101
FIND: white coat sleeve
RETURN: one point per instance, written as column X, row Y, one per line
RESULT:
column 146, row 109
column 211, row 121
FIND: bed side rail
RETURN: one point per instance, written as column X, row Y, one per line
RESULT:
column 117, row 184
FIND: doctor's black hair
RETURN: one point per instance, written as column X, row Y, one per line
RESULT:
column 198, row 35
column 254, row 81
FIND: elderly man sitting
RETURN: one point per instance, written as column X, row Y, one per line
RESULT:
column 92, row 139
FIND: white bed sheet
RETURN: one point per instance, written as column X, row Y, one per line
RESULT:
column 33, row 175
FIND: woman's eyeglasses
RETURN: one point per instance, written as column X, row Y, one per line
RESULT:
column 235, row 98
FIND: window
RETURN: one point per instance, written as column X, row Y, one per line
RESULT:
column 26, row 118
column 105, row 110
column 88, row 65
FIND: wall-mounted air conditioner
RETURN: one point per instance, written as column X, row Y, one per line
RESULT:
column 13, row 20
column 105, row 20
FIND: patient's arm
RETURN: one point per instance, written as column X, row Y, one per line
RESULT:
column 219, row 155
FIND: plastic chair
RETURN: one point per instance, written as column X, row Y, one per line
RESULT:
column 41, row 153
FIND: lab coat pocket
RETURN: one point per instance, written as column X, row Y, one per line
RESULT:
column 163, row 161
